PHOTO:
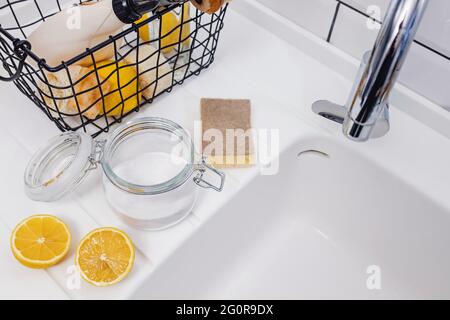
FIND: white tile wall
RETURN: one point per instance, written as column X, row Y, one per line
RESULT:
column 352, row 34
column 310, row 14
column 435, row 28
column 427, row 70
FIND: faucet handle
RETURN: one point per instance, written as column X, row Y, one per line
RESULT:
column 329, row 110
column 339, row 114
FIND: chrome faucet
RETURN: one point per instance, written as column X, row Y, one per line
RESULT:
column 366, row 114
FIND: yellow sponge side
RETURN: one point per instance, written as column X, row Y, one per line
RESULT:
column 231, row 161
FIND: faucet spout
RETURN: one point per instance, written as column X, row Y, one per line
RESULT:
column 370, row 93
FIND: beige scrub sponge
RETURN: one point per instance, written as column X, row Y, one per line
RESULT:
column 227, row 138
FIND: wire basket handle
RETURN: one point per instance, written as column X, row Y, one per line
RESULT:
column 22, row 54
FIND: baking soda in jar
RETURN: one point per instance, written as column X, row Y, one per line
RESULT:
column 145, row 211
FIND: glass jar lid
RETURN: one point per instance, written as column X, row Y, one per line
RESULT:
column 59, row 167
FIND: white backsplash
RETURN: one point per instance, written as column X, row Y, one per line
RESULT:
column 345, row 24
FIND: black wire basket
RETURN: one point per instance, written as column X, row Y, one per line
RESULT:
column 150, row 58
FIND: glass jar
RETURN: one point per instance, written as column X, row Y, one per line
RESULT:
column 151, row 172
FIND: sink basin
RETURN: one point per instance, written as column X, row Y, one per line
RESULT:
column 318, row 229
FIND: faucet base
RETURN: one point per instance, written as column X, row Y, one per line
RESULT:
column 362, row 132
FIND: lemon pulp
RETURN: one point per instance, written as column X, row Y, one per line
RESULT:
column 105, row 256
column 40, row 241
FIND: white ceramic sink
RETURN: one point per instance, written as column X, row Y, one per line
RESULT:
column 312, row 231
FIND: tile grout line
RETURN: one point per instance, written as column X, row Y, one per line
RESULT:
column 435, row 51
column 432, row 49
column 358, row 11
column 333, row 22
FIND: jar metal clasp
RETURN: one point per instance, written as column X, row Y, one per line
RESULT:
column 202, row 168
column 97, row 153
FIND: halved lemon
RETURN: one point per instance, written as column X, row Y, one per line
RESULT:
column 105, row 256
column 40, row 241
